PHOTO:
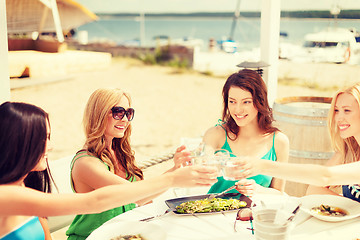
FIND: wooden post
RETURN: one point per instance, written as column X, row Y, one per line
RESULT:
column 4, row 56
column 56, row 17
column 269, row 44
column 43, row 19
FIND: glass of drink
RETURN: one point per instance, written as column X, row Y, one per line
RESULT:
column 219, row 159
column 230, row 168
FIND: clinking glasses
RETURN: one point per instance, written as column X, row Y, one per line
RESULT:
column 118, row 113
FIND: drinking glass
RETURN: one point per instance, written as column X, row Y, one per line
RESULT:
column 219, row 159
column 193, row 145
column 230, row 168
column 266, row 229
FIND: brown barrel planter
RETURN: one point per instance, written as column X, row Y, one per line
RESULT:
column 304, row 121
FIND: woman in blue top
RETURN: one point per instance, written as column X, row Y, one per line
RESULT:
column 342, row 169
column 25, row 197
column 246, row 130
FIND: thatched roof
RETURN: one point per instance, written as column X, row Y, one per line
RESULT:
column 25, row 16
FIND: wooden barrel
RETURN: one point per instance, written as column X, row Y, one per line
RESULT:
column 304, row 121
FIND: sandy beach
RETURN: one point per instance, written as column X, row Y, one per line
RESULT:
column 169, row 104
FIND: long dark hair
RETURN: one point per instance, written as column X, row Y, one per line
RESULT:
column 251, row 81
column 22, row 145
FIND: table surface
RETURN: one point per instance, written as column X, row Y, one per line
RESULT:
column 221, row 225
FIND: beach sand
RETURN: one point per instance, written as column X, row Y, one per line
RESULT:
column 169, row 104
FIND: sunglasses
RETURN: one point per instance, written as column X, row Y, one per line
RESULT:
column 118, row 113
column 245, row 214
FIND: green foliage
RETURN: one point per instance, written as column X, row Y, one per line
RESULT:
column 148, row 58
column 161, row 56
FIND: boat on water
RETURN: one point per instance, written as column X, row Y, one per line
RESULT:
column 228, row 45
column 332, row 45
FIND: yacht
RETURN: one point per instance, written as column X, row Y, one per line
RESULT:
column 332, row 45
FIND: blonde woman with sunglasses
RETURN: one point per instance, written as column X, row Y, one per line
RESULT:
column 107, row 157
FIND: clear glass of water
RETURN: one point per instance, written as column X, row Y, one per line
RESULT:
column 219, row 159
column 230, row 168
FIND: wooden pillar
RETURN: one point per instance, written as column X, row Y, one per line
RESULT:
column 43, row 19
column 269, row 44
column 4, row 56
column 56, row 17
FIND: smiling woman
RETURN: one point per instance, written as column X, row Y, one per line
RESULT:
column 246, row 130
column 342, row 169
column 107, row 157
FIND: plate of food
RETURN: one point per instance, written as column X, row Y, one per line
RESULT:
column 128, row 231
column 201, row 204
column 330, row 208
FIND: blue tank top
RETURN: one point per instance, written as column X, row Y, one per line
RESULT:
column 352, row 192
column 262, row 180
column 30, row 230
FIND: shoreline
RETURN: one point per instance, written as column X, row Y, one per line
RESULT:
column 169, row 105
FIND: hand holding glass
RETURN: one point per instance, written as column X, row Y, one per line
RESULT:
column 232, row 168
column 212, row 158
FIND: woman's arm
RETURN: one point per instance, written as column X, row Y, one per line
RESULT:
column 282, row 154
column 335, row 160
column 181, row 158
column 28, row 202
column 313, row 174
column 89, row 174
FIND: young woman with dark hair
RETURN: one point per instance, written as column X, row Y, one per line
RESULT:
column 246, row 130
column 342, row 169
column 25, row 180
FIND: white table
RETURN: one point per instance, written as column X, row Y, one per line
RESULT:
column 221, row 226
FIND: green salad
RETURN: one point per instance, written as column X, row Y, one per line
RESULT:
column 206, row 205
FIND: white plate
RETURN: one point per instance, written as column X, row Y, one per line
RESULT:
column 351, row 206
column 149, row 231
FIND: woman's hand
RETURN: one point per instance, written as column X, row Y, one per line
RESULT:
column 246, row 186
column 181, row 157
column 245, row 167
column 195, row 176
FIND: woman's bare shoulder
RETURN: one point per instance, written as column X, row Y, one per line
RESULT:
column 214, row 132
column 86, row 161
column 281, row 138
column 214, row 136
column 281, row 145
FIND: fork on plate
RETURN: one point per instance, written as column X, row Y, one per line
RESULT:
column 222, row 193
column 156, row 216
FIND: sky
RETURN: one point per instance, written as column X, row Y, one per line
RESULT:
column 187, row 6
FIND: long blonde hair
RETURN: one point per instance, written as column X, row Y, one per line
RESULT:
column 349, row 147
column 95, row 121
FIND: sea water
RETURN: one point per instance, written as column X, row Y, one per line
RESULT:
column 247, row 31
